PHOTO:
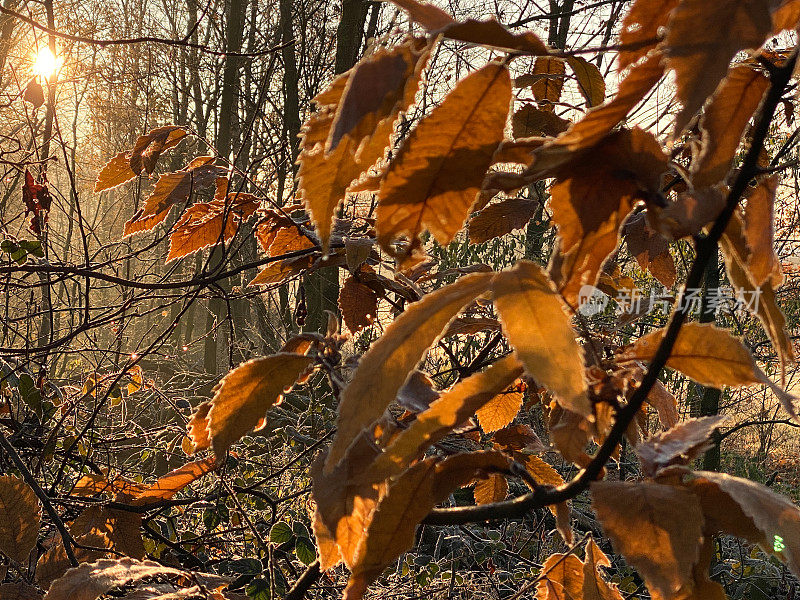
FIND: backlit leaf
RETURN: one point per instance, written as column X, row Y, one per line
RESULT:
column 725, row 118
column 658, row 528
column 20, row 515
column 590, row 81
column 499, row 411
column 640, row 29
column 437, row 174
column 149, row 147
column 358, row 304
column 243, row 396
column 680, row 445
column 594, row 587
column 702, row 38
column 407, row 501
column 385, row 367
column 547, row 79
column 534, row 320
column 562, row 578
column 501, row 218
column 174, row 481
column 114, row 173
column 493, row 488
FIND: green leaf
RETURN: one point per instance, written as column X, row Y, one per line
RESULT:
column 258, row 589
column 280, row 533
column 305, row 550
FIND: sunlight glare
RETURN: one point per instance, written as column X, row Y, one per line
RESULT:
column 46, row 63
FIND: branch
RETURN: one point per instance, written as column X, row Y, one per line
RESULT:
column 706, row 248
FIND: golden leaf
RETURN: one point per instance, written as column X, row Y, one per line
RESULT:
column 386, row 365
column 20, row 515
column 594, row 587
column 408, row 500
column 702, row 38
column 174, row 481
column 650, row 249
column 437, row 173
column 759, row 232
column 530, row 121
column 114, row 173
column 547, row 79
column 499, row 411
column 658, row 528
column 562, row 578
column 725, row 118
column 355, row 138
column 590, row 81
column 493, row 488
column 450, row 410
column 245, row 394
column 534, row 320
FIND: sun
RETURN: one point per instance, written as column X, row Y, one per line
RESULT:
column 46, row 63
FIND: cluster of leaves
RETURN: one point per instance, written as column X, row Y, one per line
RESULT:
column 379, row 480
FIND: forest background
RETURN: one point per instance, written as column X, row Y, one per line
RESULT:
column 157, row 233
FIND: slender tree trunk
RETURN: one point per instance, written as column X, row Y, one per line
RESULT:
column 228, row 122
column 709, row 397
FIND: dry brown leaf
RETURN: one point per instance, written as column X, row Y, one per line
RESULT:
column 591, row 84
column 592, row 196
column 650, row 249
column 281, row 270
column 570, row 433
column 121, row 528
column 174, row 481
column 358, row 304
column 709, row 355
column 492, row 34
column 408, row 500
column 702, row 38
column 734, row 248
column 724, row 120
column 534, row 320
column 658, row 528
column 345, row 499
column 450, row 410
column 640, row 29
column 114, row 173
column 89, row 581
column 679, row 445
column 493, row 488
column 378, row 88
column 149, row 147
column 501, row 218
column 530, row 121
column 546, row 80
column 688, row 213
column 516, row 438
column 511, row 151
column 327, row 549
column 759, row 232
column 751, row 511
column 243, row 396
column 430, row 16
column 562, row 578
column 383, row 370
column 500, row 410
column 20, row 515
column 594, row 587
column 327, row 170
column 437, row 173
